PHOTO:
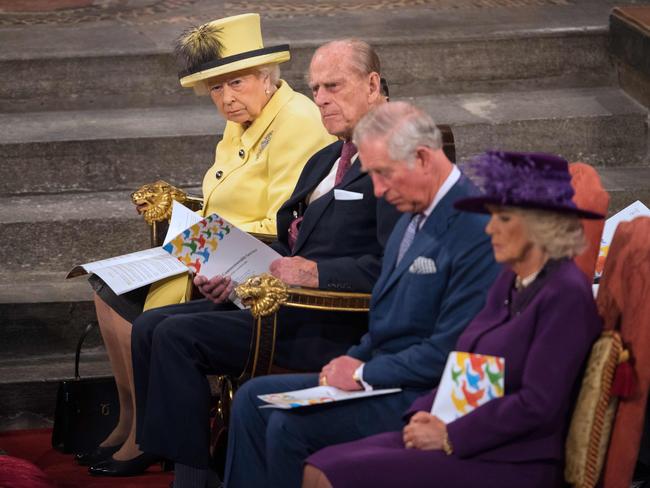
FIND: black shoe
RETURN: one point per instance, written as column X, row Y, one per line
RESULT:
column 132, row 467
column 96, row 455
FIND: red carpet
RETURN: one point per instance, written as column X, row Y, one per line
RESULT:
column 34, row 446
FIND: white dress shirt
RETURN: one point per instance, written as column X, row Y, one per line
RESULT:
column 328, row 182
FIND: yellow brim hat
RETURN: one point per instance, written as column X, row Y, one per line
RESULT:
column 225, row 46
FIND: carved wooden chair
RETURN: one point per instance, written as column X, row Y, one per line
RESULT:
column 266, row 294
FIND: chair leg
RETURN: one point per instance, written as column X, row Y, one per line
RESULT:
column 219, row 424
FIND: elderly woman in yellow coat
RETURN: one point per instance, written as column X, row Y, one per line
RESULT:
column 271, row 131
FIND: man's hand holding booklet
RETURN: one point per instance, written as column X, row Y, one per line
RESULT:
column 207, row 246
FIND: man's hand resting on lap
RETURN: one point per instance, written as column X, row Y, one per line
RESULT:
column 339, row 373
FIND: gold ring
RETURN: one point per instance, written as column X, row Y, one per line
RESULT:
column 323, row 380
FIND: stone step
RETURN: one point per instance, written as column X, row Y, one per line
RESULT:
column 121, row 149
column 602, row 126
column 55, row 232
column 42, row 313
column 625, row 186
column 48, row 152
column 33, row 284
column 29, row 384
column 424, row 50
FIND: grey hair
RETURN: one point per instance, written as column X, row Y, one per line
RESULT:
column 363, row 59
column 559, row 235
column 404, row 128
column 272, row 70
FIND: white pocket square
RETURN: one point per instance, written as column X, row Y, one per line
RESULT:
column 423, row 265
column 347, row 195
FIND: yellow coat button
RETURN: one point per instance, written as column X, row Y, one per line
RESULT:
column 241, row 153
column 219, row 174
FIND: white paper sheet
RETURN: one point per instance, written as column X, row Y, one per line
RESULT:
column 317, row 396
column 208, row 246
column 130, row 271
column 182, row 218
column 636, row 209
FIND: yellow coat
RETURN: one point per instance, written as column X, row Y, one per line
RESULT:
column 255, row 171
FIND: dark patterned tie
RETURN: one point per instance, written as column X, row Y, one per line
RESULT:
column 345, row 161
column 347, row 151
column 409, row 235
column 292, row 236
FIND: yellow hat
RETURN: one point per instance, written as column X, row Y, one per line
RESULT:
column 225, row 46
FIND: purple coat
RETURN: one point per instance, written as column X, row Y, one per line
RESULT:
column 545, row 344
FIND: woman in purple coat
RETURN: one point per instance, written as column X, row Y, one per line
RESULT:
column 539, row 315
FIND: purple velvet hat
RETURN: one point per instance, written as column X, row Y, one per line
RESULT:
column 526, row 180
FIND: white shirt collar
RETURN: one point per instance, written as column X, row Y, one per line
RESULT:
column 451, row 180
column 524, row 282
column 327, row 183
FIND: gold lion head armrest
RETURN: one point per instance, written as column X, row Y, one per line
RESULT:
column 158, row 198
column 265, row 294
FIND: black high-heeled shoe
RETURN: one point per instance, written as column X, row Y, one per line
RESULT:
column 97, row 455
column 132, row 467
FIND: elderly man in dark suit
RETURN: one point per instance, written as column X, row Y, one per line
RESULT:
column 437, row 268
column 332, row 233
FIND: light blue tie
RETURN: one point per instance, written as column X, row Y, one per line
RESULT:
column 409, row 235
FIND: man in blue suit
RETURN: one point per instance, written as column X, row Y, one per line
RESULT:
column 436, row 270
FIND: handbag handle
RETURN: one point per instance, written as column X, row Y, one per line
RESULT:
column 88, row 328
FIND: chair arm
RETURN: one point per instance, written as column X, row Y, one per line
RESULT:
column 265, row 294
column 314, row 299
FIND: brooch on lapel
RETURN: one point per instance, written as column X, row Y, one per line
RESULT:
column 264, row 143
column 423, row 265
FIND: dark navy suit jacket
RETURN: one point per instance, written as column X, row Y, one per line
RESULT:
column 345, row 237
column 416, row 317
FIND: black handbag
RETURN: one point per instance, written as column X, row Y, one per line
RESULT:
column 87, row 409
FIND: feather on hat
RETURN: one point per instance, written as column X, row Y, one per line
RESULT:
column 224, row 46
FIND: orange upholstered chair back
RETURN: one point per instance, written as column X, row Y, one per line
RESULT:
column 623, row 303
column 590, row 195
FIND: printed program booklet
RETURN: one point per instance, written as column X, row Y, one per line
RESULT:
column 468, row 381
column 207, row 246
column 317, row 396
